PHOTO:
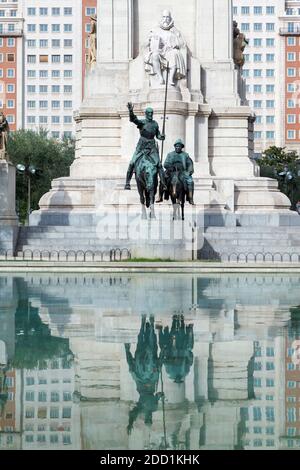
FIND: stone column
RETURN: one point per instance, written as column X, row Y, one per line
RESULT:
column 8, row 217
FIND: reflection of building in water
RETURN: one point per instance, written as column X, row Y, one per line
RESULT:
column 10, row 411
column 50, row 418
column 291, row 434
column 237, row 375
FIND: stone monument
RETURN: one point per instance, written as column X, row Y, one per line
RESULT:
column 206, row 108
column 8, row 217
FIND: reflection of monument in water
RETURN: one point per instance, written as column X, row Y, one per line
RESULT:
column 206, row 108
column 237, row 375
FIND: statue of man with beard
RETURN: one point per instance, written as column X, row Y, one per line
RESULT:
column 165, row 46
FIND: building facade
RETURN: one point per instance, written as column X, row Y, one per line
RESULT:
column 259, row 21
column 11, row 62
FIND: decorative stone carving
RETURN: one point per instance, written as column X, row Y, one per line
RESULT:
column 239, row 44
column 93, row 42
column 4, row 130
column 165, row 46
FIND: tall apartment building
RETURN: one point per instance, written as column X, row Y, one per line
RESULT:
column 290, row 59
column 43, row 51
column 11, row 62
column 259, row 21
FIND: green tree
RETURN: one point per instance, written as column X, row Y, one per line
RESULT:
column 53, row 157
column 282, row 165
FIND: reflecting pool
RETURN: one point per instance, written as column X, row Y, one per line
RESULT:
column 141, row 361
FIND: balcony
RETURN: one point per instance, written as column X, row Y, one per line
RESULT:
column 7, row 32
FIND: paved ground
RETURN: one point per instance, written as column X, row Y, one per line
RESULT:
column 167, row 267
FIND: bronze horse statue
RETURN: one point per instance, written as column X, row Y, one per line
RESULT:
column 177, row 192
column 146, row 175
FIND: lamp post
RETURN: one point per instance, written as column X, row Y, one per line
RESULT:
column 28, row 171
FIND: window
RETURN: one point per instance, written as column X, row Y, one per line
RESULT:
column 68, row 88
column 68, row 43
column 10, row 73
column 246, row 73
column 68, row 28
column 234, row 11
column 55, row 104
column 29, row 413
column 68, row 11
column 42, row 396
column 270, row 382
column 257, row 10
column 257, row 88
column 31, row 59
column 291, row 415
column 258, row 120
column 43, row 119
column 31, row 43
column 55, row 59
column 29, row 380
column 66, row 413
column 43, row 73
column 67, row 135
column 55, row 28
column 270, row 57
column 270, row 352
column 31, row 11
column 55, row 119
column 291, row 383
column 291, row 134
column 54, row 413
column 43, row 89
column 245, row 26
column 291, row 87
column 10, row 42
column 270, row 135
column 291, row 41
column 257, row 42
column 291, row 366
column 31, row 89
column 55, row 73
column 43, row 43
column 68, row 104
column 30, row 104
column 31, row 28
column 270, row 10
column 55, row 11
column 55, row 134
column 68, row 74
column 68, row 119
column 291, row 56
column 43, row 28
column 270, row 72
column 29, row 396
column 257, row 413
column 270, row 26
column 270, row 88
column 29, row 438
column 257, row 135
column 270, row 431
column 270, row 397
column 257, row 104
column 270, row 104
column 43, row 58
column 43, row 104
column 257, row 57
column 55, row 89
column 270, row 119
column 31, row 73
column 54, row 438
column 54, row 396
column 245, row 10
column 55, row 42
column 257, row 26
column 257, row 382
column 66, row 439
column 270, row 42
column 68, row 59
column 43, row 11
column 257, row 73
column 291, row 104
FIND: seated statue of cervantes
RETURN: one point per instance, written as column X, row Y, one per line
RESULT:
column 165, row 46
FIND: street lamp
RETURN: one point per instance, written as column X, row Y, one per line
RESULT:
column 28, row 171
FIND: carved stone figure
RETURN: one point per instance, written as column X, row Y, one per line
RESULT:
column 4, row 130
column 165, row 46
column 239, row 44
column 93, row 41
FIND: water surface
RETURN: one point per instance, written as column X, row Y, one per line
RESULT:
column 149, row 362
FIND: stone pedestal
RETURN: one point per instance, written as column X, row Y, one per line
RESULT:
column 207, row 109
column 8, row 217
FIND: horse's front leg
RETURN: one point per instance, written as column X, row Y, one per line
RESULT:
column 182, row 208
column 152, row 203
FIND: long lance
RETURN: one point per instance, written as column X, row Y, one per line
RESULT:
column 165, row 113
